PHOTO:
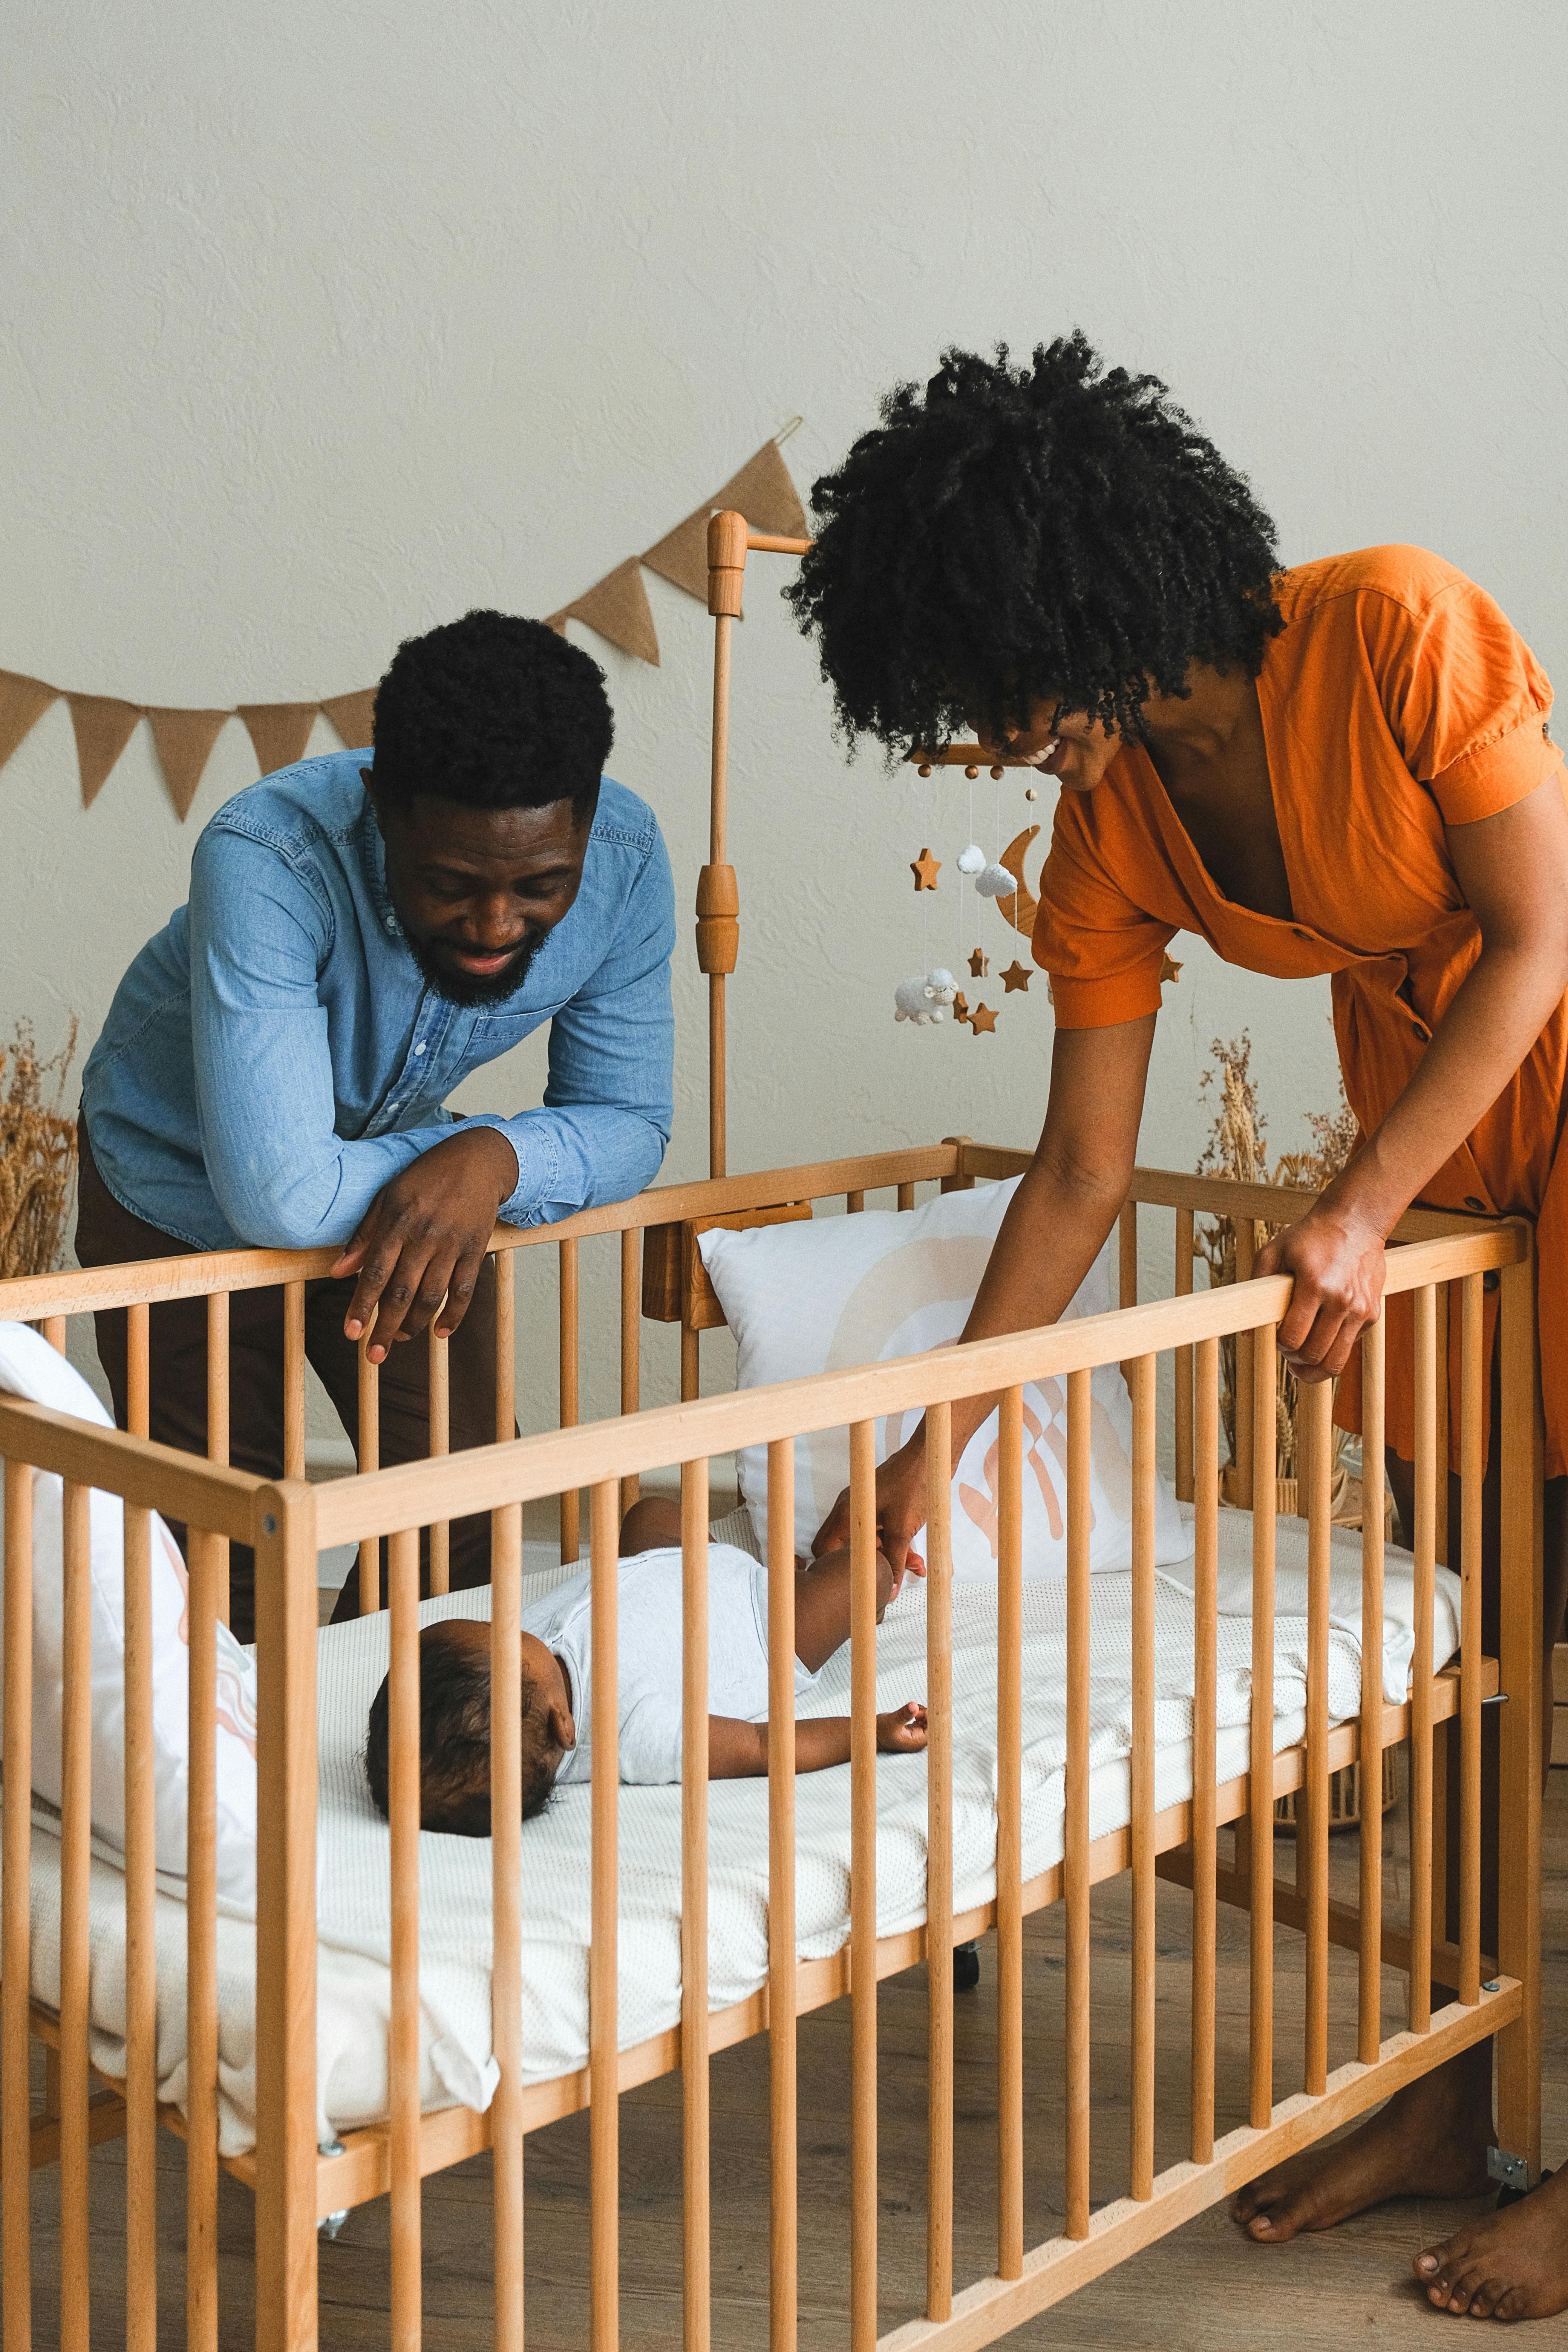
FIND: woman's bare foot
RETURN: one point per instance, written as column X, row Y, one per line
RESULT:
column 1430, row 2140
column 1507, row 2265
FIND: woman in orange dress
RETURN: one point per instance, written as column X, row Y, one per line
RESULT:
column 1341, row 768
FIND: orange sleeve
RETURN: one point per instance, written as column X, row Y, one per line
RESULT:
column 1102, row 953
column 1466, row 698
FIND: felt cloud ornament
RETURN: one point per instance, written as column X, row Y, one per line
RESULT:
column 994, row 882
column 921, row 1000
column 971, row 860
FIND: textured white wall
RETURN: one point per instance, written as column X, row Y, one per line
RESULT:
column 321, row 324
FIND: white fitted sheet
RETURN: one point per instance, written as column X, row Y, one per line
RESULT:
column 353, row 1977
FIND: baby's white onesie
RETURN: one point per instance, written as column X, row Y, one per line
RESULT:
column 649, row 1647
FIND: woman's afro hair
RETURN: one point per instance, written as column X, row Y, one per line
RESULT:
column 494, row 711
column 1057, row 533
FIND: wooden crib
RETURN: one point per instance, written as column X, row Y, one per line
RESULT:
column 1440, row 1260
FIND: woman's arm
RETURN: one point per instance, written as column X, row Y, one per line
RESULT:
column 1055, row 1224
column 1513, row 871
column 738, row 1751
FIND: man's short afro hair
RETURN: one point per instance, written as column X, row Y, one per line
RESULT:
column 1058, row 532
column 493, row 711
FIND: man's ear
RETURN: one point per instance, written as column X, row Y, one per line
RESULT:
column 563, row 1729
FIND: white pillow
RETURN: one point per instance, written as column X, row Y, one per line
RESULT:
column 30, row 1368
column 824, row 1296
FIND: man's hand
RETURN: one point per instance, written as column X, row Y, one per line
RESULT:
column 424, row 1239
column 1335, row 1254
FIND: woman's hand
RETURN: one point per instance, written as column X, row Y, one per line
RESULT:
column 1335, row 1257
column 901, row 1509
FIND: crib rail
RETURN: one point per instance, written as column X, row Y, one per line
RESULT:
column 286, row 1522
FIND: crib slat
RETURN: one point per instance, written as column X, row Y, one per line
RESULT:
column 1184, row 1284
column 15, row 1851
column 54, row 1330
column 906, row 1196
column 367, row 1453
column 505, row 1263
column 1009, row 1838
column 1369, row 2001
column 631, row 1342
column 1206, row 1605
column 783, row 2219
column 440, row 1418
column 694, row 2062
column 1246, row 1252
column 939, row 1870
column 1259, row 1344
column 403, row 2036
column 1472, row 1472
column 863, row 1887
column 1316, row 1407
column 690, row 1364
column 140, row 1951
column 853, row 1204
column 604, row 2072
column 76, row 1869
column 201, row 1953
column 138, row 1391
column 1425, row 1533
column 1074, row 1851
column 1143, row 2119
column 293, row 1379
column 218, row 1423
column 1445, row 1304
column 506, row 1866
column 1127, row 1255
column 570, row 1311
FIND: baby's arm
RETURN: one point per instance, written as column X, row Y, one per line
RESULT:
column 738, row 1752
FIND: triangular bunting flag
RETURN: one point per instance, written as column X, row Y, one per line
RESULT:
column 104, row 728
column 617, row 606
column 23, row 701
column 185, row 740
column 761, row 492
column 352, row 715
column 278, row 731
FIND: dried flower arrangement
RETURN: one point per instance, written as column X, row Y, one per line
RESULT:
column 1237, row 1148
column 38, row 1154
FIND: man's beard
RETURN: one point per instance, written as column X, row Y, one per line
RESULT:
column 469, row 990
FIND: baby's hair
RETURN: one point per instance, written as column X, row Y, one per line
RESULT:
column 455, row 1741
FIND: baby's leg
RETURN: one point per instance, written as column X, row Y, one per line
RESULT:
column 651, row 1525
column 822, row 1607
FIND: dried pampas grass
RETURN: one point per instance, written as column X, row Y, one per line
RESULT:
column 38, row 1154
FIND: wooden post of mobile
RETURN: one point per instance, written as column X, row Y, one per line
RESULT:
column 718, row 898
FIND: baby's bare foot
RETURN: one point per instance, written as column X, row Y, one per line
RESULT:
column 1507, row 2265
column 1430, row 2140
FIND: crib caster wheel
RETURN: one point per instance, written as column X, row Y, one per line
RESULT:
column 965, row 1967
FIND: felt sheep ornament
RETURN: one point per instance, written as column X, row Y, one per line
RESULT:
column 922, row 1000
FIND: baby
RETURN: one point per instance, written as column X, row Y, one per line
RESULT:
column 455, row 1680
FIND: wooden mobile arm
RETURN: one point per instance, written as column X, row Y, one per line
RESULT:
column 718, row 897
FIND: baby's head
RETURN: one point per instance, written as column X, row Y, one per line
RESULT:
column 455, row 1729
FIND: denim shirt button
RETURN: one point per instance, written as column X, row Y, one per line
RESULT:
column 420, row 1047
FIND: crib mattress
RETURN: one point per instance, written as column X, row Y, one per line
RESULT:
column 354, row 1923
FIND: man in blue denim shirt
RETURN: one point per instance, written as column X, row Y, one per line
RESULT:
column 360, row 936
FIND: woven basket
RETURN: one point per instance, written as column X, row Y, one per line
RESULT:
column 1344, row 1796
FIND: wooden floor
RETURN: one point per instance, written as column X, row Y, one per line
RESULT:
column 1204, row 2287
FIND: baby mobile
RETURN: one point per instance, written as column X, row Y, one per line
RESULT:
column 924, row 998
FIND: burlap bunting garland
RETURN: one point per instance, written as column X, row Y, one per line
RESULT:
column 616, row 608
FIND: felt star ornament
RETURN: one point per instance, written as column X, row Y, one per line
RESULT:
column 979, row 964
column 1169, row 968
column 925, row 869
column 981, row 1019
column 1016, row 976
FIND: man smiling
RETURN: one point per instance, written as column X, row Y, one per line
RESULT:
column 360, row 934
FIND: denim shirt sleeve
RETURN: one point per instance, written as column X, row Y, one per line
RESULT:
column 609, row 1101
column 282, row 1175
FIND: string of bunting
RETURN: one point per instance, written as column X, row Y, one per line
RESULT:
column 615, row 608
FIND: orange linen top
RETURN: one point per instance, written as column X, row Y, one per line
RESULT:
column 1398, row 698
